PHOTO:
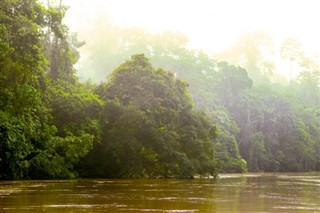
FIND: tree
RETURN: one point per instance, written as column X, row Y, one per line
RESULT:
column 308, row 87
column 74, row 108
column 23, row 114
column 37, row 139
column 251, row 52
column 291, row 50
column 150, row 128
column 227, row 153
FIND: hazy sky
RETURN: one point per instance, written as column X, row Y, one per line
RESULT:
column 209, row 24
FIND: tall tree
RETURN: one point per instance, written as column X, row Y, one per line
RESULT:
column 291, row 50
column 41, row 134
column 151, row 128
column 23, row 115
column 251, row 51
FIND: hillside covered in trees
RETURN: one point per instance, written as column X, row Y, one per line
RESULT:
column 156, row 109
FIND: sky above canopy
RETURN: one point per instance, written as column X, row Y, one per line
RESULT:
column 210, row 25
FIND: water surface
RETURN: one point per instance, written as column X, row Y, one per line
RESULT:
column 230, row 193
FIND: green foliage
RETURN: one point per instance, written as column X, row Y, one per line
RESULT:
column 251, row 52
column 169, row 51
column 75, row 109
column 17, row 134
column 142, row 122
column 48, row 121
column 58, row 157
column 226, row 148
column 274, row 132
column 150, row 128
column 23, row 115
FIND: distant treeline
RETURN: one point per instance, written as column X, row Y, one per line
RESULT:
column 141, row 121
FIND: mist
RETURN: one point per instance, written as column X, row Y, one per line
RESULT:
column 249, row 65
column 214, row 27
column 161, row 90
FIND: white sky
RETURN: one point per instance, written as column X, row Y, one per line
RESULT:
column 211, row 25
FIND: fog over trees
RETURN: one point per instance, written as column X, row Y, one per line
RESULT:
column 142, row 104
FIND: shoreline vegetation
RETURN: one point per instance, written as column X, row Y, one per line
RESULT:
column 164, row 111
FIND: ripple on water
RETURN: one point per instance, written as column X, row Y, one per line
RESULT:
column 85, row 206
column 309, row 208
column 225, row 176
column 6, row 192
column 61, row 190
column 169, row 198
column 275, row 196
column 142, row 210
column 161, row 210
column 197, row 198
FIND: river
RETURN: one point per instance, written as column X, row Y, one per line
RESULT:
column 273, row 192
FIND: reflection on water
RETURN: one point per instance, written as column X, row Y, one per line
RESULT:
column 230, row 193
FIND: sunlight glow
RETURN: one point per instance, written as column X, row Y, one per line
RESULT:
column 210, row 25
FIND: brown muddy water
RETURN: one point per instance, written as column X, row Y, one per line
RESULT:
column 275, row 192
